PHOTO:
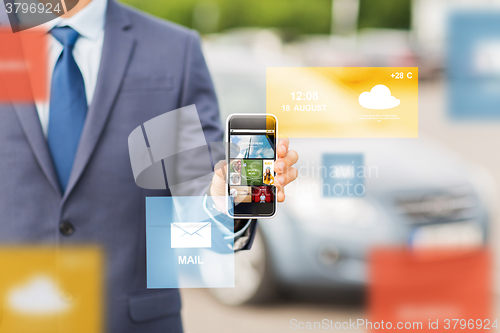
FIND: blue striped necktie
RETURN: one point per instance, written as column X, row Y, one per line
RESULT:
column 68, row 106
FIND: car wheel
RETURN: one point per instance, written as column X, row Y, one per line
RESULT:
column 254, row 281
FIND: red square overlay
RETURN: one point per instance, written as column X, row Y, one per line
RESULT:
column 429, row 285
column 23, row 66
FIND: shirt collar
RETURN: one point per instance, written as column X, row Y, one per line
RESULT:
column 89, row 22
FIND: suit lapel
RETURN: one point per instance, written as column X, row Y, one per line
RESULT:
column 30, row 123
column 117, row 51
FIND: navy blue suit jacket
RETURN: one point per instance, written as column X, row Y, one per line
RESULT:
column 148, row 67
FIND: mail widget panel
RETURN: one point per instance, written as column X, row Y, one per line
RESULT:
column 188, row 244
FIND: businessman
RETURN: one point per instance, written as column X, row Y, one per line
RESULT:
column 65, row 173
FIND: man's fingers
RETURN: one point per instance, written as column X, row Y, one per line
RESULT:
column 282, row 148
column 218, row 187
column 287, row 161
column 284, row 141
column 283, row 167
column 281, row 196
column 286, row 177
column 279, row 166
column 220, row 169
column 280, row 190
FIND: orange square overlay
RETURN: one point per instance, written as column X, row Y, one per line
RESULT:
column 23, row 66
column 49, row 289
column 430, row 290
column 344, row 102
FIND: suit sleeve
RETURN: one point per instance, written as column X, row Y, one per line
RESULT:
column 198, row 89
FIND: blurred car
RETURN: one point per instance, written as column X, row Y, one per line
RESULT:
column 417, row 194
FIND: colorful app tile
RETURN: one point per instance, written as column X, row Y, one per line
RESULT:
column 251, row 172
column 252, row 146
column 241, row 193
column 234, row 178
column 235, row 166
column 268, row 175
column 262, row 194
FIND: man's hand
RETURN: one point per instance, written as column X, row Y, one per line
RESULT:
column 285, row 172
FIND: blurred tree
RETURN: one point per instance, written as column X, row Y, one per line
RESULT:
column 305, row 16
column 302, row 16
column 392, row 14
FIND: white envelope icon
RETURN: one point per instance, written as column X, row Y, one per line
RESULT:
column 191, row 234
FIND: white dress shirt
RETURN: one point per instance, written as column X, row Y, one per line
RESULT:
column 89, row 23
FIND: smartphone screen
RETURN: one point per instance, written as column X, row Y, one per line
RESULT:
column 252, row 154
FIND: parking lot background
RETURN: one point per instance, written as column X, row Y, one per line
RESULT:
column 477, row 142
column 386, row 33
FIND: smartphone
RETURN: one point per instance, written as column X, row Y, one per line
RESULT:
column 251, row 154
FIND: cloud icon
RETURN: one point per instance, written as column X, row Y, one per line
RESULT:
column 378, row 98
column 40, row 296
